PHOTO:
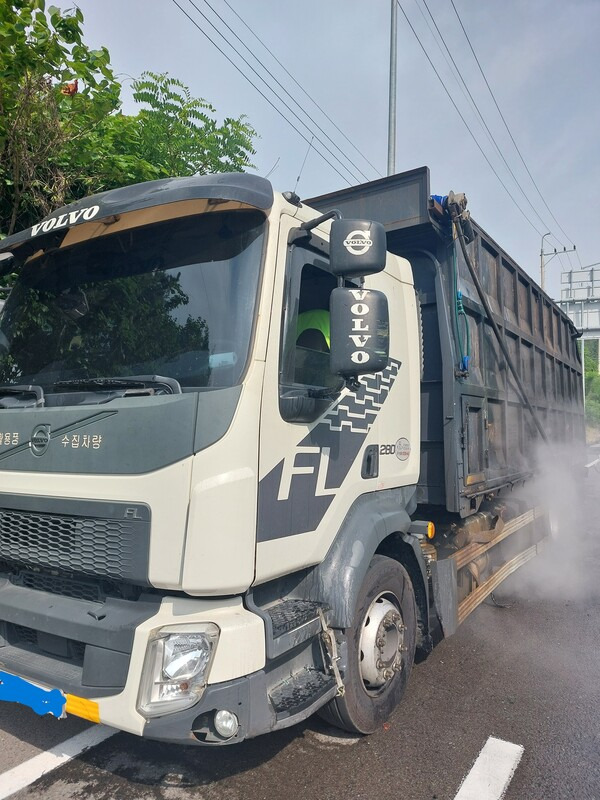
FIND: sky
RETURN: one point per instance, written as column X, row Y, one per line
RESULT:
column 540, row 57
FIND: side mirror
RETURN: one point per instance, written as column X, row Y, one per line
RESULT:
column 359, row 332
column 357, row 247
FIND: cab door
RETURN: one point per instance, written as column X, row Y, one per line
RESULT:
column 313, row 429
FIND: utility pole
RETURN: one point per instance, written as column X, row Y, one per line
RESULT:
column 542, row 266
column 391, row 162
column 551, row 253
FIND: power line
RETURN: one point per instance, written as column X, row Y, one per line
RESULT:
column 302, row 89
column 278, row 82
column 458, row 111
column 279, row 111
column 506, row 124
column 446, row 59
column 262, row 94
column 484, row 123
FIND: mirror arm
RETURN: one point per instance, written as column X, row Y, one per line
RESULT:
column 303, row 231
column 314, row 223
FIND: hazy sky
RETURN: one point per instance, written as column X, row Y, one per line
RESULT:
column 541, row 58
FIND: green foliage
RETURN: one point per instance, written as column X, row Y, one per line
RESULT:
column 56, row 148
column 592, row 411
column 591, row 357
column 40, row 51
column 179, row 135
column 592, row 382
column 175, row 135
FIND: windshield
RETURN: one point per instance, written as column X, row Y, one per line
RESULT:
column 174, row 299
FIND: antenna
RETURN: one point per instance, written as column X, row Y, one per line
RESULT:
column 274, row 167
column 303, row 163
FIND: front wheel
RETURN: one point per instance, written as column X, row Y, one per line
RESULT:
column 380, row 649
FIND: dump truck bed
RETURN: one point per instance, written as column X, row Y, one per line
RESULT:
column 477, row 435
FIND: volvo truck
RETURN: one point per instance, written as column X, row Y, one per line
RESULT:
column 257, row 453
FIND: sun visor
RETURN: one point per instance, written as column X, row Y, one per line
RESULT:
column 140, row 204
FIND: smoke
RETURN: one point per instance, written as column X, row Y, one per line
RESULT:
column 570, row 495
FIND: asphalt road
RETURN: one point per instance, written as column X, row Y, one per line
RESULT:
column 528, row 673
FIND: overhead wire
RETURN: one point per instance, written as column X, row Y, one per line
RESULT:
column 302, row 89
column 281, row 86
column 262, row 94
column 444, row 55
column 491, row 136
column 483, row 75
column 278, row 82
column 271, row 103
column 460, row 114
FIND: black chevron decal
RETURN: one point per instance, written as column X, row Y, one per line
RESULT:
column 294, row 496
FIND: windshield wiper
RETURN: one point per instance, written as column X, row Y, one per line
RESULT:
column 21, row 396
column 131, row 384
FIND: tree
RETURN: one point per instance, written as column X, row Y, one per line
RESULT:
column 175, row 135
column 179, row 135
column 592, row 382
column 58, row 144
column 39, row 53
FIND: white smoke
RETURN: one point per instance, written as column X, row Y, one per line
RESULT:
column 570, row 494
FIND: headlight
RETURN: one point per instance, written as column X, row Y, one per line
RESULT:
column 176, row 668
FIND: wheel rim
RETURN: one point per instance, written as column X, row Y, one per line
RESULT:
column 381, row 643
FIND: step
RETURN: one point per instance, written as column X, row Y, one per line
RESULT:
column 301, row 691
column 291, row 622
column 292, row 614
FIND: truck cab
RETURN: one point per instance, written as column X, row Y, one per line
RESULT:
column 191, row 497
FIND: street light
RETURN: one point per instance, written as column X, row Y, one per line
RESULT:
column 391, row 164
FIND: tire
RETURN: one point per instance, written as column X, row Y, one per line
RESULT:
column 378, row 666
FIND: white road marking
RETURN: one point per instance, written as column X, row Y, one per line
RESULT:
column 29, row 771
column 492, row 771
column 592, row 463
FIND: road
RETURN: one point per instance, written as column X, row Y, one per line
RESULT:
column 526, row 671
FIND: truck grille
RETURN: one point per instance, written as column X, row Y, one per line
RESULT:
column 53, row 645
column 65, row 585
column 59, row 584
column 76, row 544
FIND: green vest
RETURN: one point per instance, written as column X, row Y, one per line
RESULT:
column 317, row 319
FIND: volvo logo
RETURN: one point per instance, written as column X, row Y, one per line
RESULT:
column 40, row 439
column 358, row 242
column 65, row 219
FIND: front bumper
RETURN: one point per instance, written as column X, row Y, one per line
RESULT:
column 96, row 651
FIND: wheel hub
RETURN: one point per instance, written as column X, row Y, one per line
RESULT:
column 381, row 642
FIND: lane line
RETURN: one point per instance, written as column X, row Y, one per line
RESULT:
column 492, row 771
column 29, row 771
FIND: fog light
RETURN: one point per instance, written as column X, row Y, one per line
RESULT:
column 226, row 723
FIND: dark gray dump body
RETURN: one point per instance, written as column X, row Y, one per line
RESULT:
column 477, row 436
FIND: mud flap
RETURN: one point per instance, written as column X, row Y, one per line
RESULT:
column 445, row 596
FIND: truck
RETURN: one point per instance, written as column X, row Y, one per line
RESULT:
column 259, row 454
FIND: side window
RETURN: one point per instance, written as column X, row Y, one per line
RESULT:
column 305, row 351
